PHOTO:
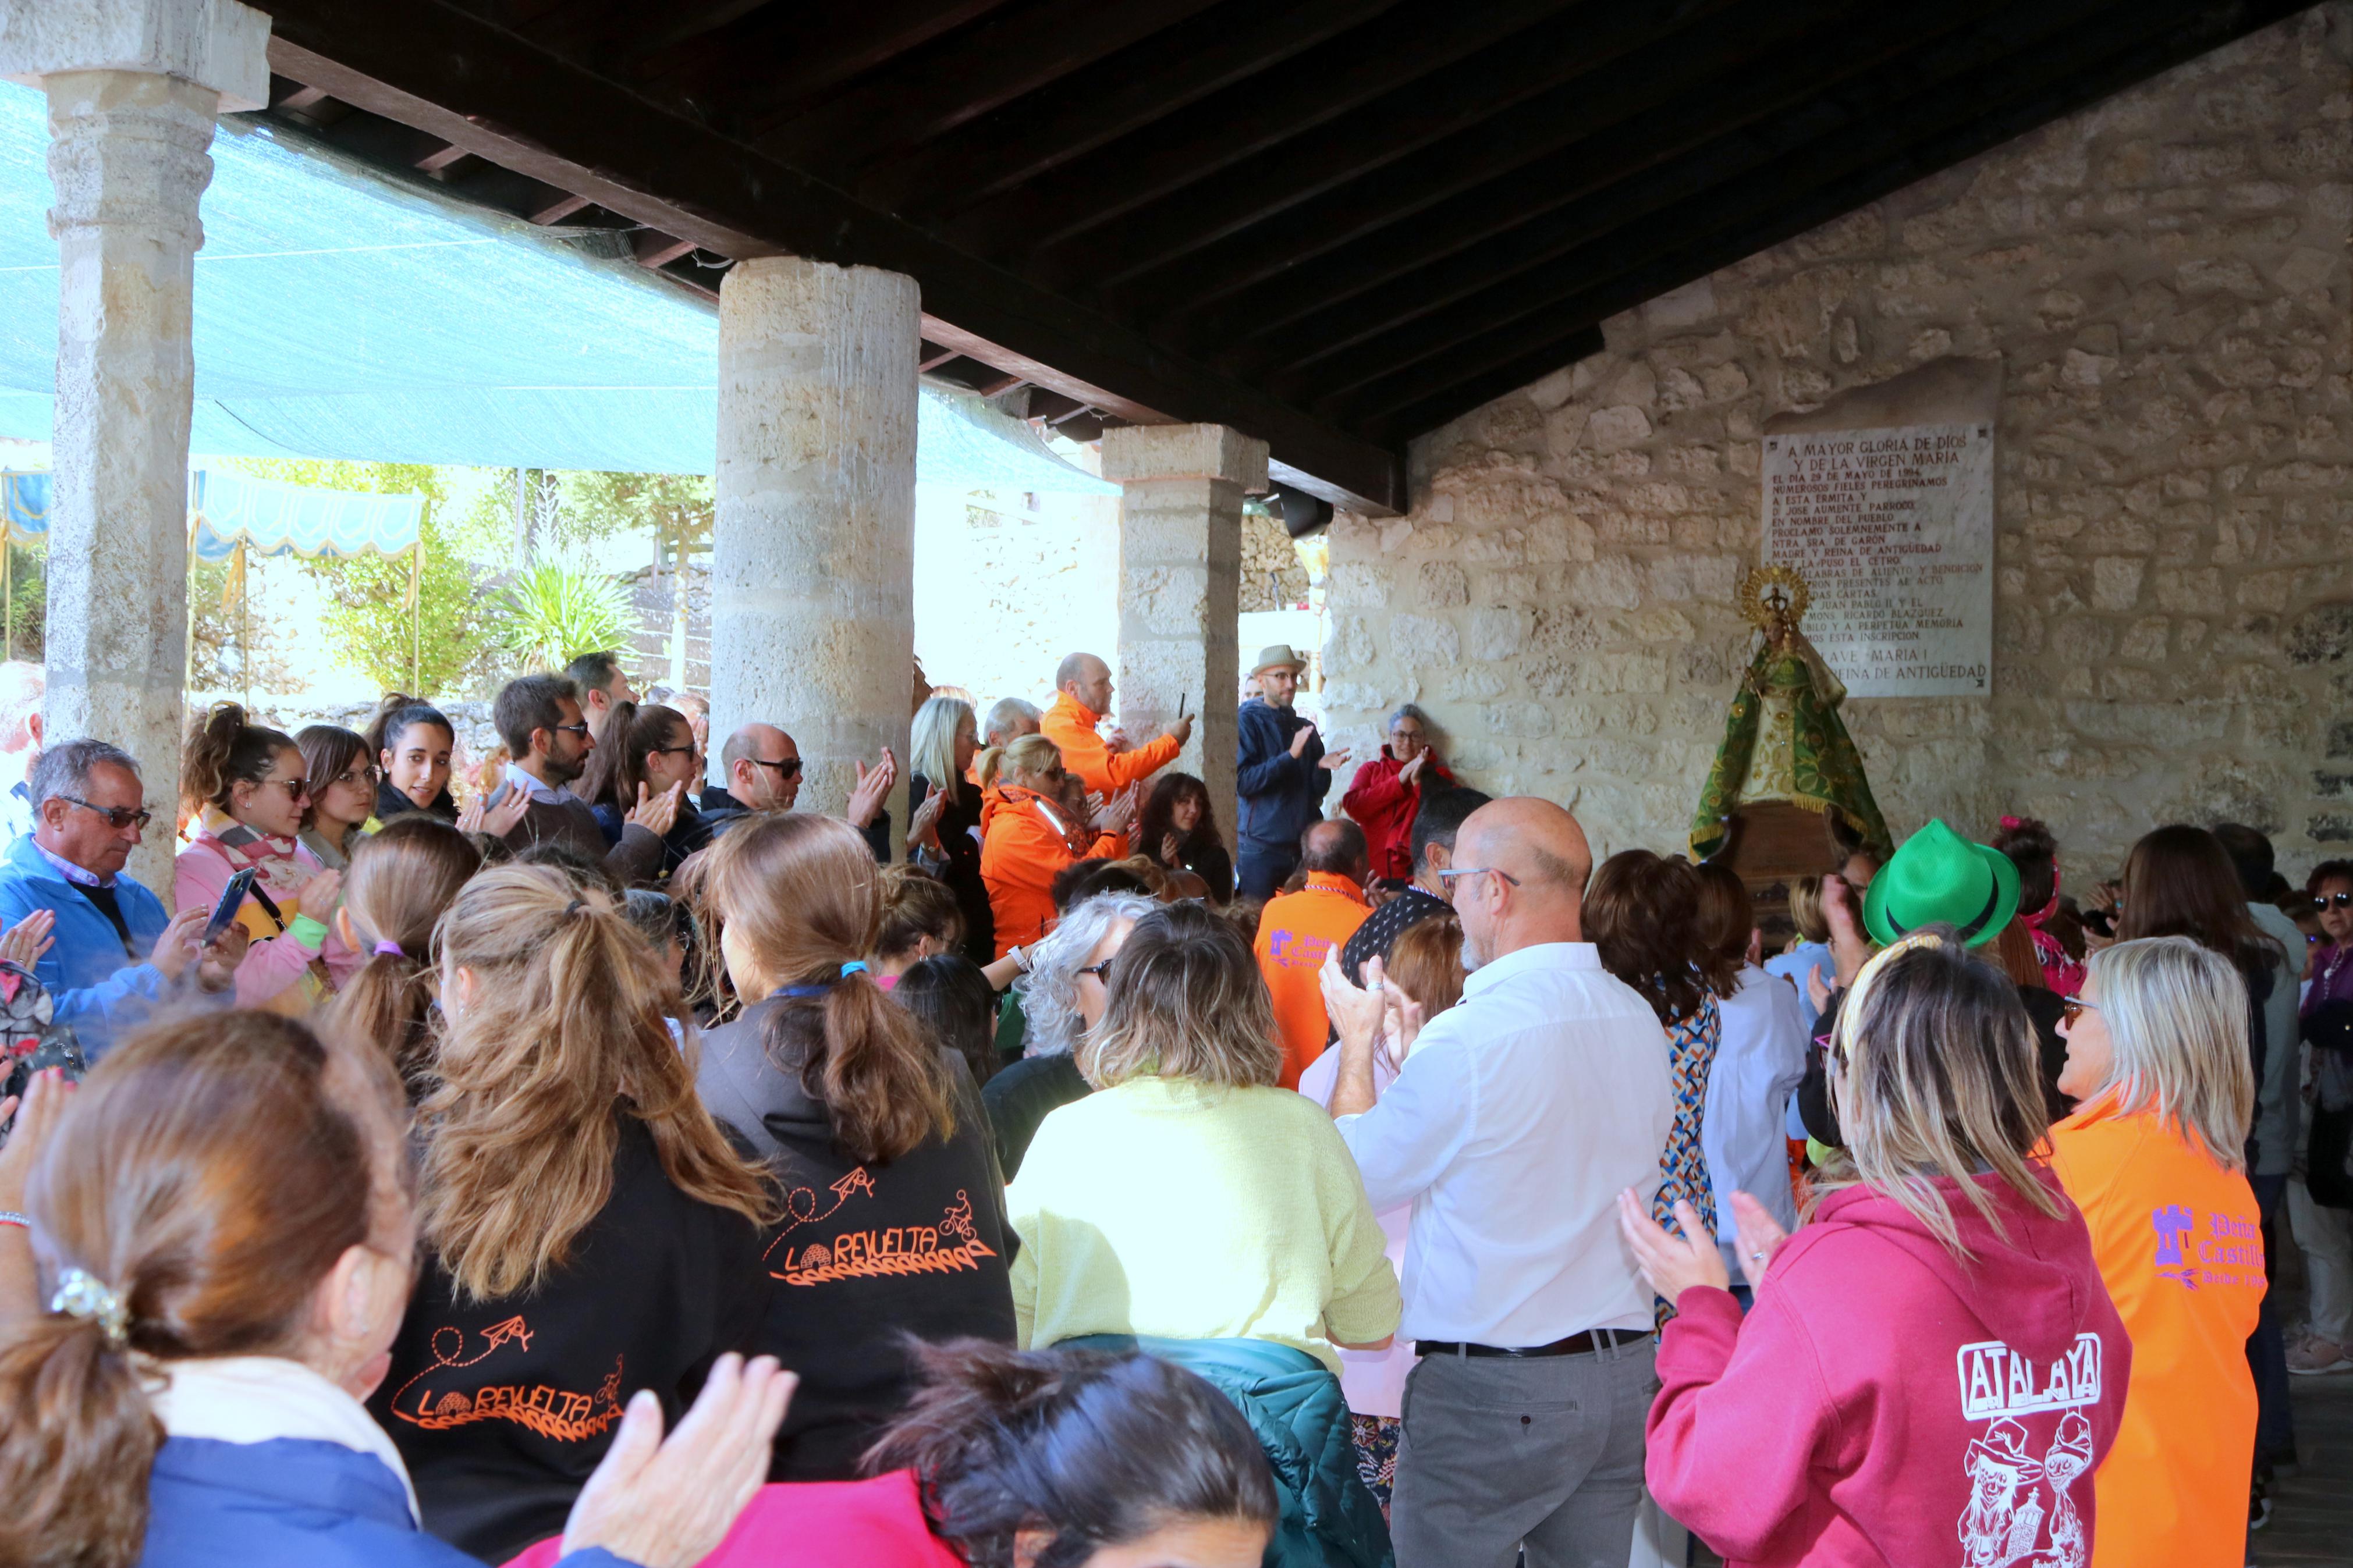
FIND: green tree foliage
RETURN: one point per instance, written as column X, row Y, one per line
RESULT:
column 443, row 646
column 679, row 508
column 551, row 615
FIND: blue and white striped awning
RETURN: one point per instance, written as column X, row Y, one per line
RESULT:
column 268, row 516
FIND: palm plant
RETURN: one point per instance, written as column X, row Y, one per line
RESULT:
column 551, row 614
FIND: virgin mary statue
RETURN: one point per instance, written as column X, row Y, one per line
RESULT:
column 1783, row 739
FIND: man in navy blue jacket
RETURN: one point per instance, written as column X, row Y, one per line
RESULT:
column 1281, row 772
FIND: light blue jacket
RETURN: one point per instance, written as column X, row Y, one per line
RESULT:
column 289, row 1503
column 99, row 990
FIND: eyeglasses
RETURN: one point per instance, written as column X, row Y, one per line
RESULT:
column 579, row 729
column 1479, row 871
column 117, row 817
column 296, row 789
column 2074, row 1008
column 368, row 776
column 785, row 769
column 1101, row 973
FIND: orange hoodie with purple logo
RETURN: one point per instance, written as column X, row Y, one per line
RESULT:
column 2180, row 1245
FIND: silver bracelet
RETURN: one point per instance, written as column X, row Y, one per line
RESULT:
column 10, row 1217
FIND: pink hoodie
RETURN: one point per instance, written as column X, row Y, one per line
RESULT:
column 1886, row 1404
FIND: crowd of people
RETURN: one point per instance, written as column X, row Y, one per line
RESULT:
column 604, row 1160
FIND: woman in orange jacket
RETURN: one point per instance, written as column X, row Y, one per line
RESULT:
column 1027, row 834
column 2155, row 1157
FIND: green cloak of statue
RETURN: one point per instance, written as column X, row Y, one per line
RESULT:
column 1783, row 740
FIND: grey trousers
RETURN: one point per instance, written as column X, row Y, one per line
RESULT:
column 1546, row 1454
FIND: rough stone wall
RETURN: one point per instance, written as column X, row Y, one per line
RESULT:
column 2165, row 278
column 1272, row 578
column 1001, row 595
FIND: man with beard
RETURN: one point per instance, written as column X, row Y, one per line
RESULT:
column 540, row 720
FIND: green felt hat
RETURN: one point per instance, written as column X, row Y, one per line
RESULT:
column 1940, row 876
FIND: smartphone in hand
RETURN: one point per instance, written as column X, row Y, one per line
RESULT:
column 232, row 900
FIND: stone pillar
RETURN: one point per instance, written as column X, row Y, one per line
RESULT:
column 1180, row 554
column 812, row 583
column 133, row 88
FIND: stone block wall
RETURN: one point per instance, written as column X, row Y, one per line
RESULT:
column 2165, row 279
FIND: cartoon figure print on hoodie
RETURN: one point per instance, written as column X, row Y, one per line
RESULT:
column 1888, row 1403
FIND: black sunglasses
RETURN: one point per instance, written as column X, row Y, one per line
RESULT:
column 117, row 817
column 579, row 729
column 1102, row 972
column 2333, row 900
column 785, row 769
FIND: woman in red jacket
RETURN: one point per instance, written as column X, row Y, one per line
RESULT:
column 1387, row 792
column 1933, row 1369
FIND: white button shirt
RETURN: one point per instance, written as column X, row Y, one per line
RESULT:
column 1521, row 1114
column 1760, row 1059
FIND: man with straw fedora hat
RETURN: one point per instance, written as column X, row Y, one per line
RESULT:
column 1935, row 878
column 1282, row 773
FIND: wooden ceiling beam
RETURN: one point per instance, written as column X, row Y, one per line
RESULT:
column 654, row 248
column 433, row 65
column 2147, row 36
column 1546, row 151
column 563, row 205
column 960, row 79
column 780, row 57
column 1517, row 98
column 1396, row 48
column 301, row 100
column 1203, row 55
column 1609, row 182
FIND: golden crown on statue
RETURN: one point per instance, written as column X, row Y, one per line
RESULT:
column 1775, row 595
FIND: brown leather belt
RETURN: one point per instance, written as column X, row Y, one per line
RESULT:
column 1575, row 1344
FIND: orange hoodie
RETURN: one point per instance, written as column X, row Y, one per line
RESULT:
column 1023, row 842
column 1070, row 725
column 2178, row 1241
column 1294, row 932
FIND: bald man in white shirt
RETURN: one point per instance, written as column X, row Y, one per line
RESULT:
column 1520, row 1115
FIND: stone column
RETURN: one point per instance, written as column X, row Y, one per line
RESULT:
column 1181, row 561
column 812, row 583
column 133, row 88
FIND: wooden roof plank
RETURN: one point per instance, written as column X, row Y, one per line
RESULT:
column 962, row 77
column 1001, row 149
column 1398, row 47
column 1419, row 398
column 433, row 66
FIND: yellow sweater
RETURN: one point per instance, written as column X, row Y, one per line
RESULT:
column 1164, row 1207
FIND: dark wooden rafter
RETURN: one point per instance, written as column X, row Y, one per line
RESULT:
column 654, row 248
column 1392, row 50
column 1486, row 363
column 1001, row 149
column 1544, row 152
column 565, row 205
column 437, row 67
column 1518, row 97
column 1468, row 245
column 963, row 76
column 1331, row 223
column 785, row 54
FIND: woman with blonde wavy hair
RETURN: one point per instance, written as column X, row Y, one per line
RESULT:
column 894, row 1215
column 1933, row 1369
column 2155, row 1156
column 590, row 1229
column 401, row 879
